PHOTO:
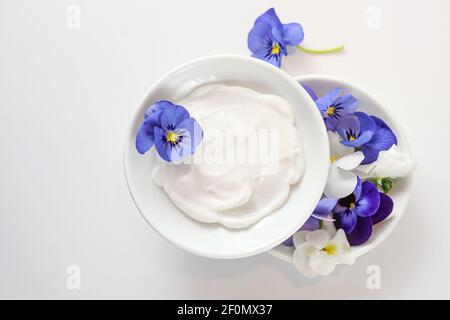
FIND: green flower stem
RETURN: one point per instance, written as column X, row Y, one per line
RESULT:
column 324, row 51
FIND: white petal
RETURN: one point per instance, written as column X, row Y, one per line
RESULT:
column 322, row 263
column 351, row 161
column 366, row 168
column 340, row 240
column 365, row 171
column 343, row 254
column 301, row 260
column 393, row 164
column 329, row 227
column 299, row 237
column 340, row 183
column 328, row 218
column 337, row 149
column 318, row 238
column 347, row 258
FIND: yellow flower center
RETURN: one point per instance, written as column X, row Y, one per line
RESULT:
column 333, row 158
column 330, row 249
column 171, row 137
column 351, row 138
column 352, row 205
column 330, row 111
column 275, row 49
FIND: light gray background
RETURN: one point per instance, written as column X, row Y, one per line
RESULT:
column 67, row 97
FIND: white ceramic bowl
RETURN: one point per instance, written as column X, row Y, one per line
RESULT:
column 399, row 194
column 212, row 240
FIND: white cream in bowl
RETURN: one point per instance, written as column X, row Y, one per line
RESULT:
column 250, row 156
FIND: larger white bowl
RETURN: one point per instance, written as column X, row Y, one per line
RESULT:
column 212, row 240
column 399, row 194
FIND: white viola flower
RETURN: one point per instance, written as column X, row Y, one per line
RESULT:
column 391, row 163
column 341, row 180
column 316, row 253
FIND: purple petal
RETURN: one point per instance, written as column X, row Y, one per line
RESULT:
column 311, row 224
column 272, row 19
column 260, row 38
column 145, row 138
column 171, row 116
column 384, row 210
column 310, row 91
column 331, row 123
column 162, row 147
column 364, row 130
column 339, row 209
column 363, row 138
column 323, row 103
column 383, row 139
column 192, row 135
column 370, row 154
column 344, row 106
column 358, row 188
column 366, row 122
column 347, row 103
column 292, row 34
column 349, row 123
column 289, row 242
column 324, row 208
column 367, row 128
column 270, row 58
column 369, row 201
column 154, row 111
column 345, row 221
column 362, row 231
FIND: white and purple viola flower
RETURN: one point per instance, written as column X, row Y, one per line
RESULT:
column 170, row 128
column 269, row 38
column 359, row 211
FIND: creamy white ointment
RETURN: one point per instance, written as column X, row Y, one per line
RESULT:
column 243, row 169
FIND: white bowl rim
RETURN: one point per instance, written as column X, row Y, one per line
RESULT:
column 189, row 249
column 360, row 251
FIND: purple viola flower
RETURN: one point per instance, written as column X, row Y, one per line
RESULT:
column 269, row 38
column 362, row 203
column 364, row 226
column 333, row 107
column 323, row 211
column 170, row 129
column 382, row 140
column 356, row 129
column 368, row 134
